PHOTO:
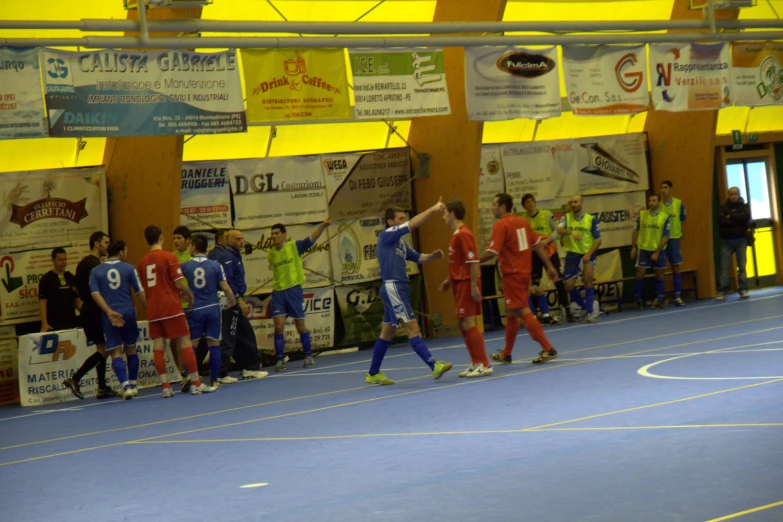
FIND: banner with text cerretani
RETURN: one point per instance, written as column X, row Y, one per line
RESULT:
column 491, row 182
column 606, row 79
column 690, row 77
column 319, row 317
column 205, row 196
column 285, row 85
column 288, row 190
column 317, row 260
column 504, row 83
column 369, row 183
column 22, row 113
column 757, row 73
column 353, row 244
column 47, row 359
column 399, row 83
column 139, row 93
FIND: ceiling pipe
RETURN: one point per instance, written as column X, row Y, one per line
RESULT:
column 145, row 32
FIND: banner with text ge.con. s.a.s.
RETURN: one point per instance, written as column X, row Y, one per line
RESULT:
column 139, row 93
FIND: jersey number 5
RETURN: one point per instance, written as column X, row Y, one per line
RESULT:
column 152, row 278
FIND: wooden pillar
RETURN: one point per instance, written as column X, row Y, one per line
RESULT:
column 682, row 149
column 454, row 144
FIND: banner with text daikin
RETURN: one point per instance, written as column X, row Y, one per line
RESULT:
column 205, row 196
column 287, row 190
column 400, row 83
column 491, row 182
column 22, row 113
column 138, row 93
column 361, row 184
column 504, row 83
column 606, row 79
column 690, row 77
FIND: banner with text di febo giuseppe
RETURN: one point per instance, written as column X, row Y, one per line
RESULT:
column 205, row 196
column 22, row 112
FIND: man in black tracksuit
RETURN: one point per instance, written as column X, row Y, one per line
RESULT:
column 733, row 220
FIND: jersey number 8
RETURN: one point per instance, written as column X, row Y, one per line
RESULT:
column 199, row 278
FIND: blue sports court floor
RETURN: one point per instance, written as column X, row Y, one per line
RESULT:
column 673, row 415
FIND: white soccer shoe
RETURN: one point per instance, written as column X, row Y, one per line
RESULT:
column 128, row 393
column 254, row 374
column 466, row 371
column 201, row 388
column 227, row 380
column 480, row 371
column 168, row 393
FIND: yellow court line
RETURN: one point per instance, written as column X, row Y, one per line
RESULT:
column 746, row 512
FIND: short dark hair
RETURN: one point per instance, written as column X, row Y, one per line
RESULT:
column 456, row 206
column 526, row 197
column 667, row 182
column 654, row 196
column 56, row 251
column 279, row 226
column 391, row 213
column 115, row 247
column 152, row 234
column 505, row 199
column 199, row 242
column 182, row 231
column 96, row 237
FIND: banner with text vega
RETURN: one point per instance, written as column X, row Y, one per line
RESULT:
column 205, row 196
column 491, row 182
column 689, row 77
column 22, row 113
column 138, row 93
column 757, row 73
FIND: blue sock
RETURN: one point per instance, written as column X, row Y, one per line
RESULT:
column 214, row 362
column 590, row 298
column 422, row 351
column 677, row 285
column 133, row 368
column 543, row 305
column 576, row 297
column 637, row 289
column 659, row 289
column 305, row 338
column 280, row 347
column 118, row 365
column 531, row 304
column 377, row 355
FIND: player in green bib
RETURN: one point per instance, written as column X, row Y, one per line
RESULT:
column 285, row 261
column 181, row 239
column 648, row 247
column 675, row 209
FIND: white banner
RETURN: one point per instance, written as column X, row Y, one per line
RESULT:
column 539, row 168
column 45, row 360
column 504, row 83
column 288, row 190
column 353, row 246
column 362, row 184
column 22, row 112
column 205, row 196
column 606, row 79
column 611, row 164
column 319, row 316
column 491, row 182
column 399, row 83
column 316, row 261
column 690, row 77
column 757, row 73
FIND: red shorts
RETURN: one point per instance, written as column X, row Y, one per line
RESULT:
column 466, row 306
column 515, row 287
column 170, row 328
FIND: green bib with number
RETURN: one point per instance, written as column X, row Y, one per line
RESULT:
column 673, row 211
column 584, row 228
column 650, row 230
column 287, row 267
column 542, row 223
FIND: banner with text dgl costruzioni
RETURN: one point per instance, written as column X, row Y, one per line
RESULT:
column 137, row 93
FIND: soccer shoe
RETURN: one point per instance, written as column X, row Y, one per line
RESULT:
column 378, row 379
column 639, row 304
column 184, row 384
column 441, row 367
column 586, row 318
column 548, row 320
column 744, row 294
column 128, row 394
column 679, row 302
column 721, row 296
column 74, row 387
column 135, row 390
column 253, row 374
column 280, row 366
column 659, row 304
column 215, row 384
column 502, row 359
column 480, row 371
column 544, row 356
column 309, row 362
column 168, row 392
column 227, row 380
column 106, row 393
column 201, row 388
column 466, row 371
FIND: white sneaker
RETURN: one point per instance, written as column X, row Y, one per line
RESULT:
column 466, row 371
column 481, row 371
column 128, row 394
column 227, row 380
column 201, row 388
column 168, row 392
column 253, row 374
column 135, row 391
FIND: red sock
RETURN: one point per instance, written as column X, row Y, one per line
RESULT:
column 536, row 332
column 469, row 345
column 512, row 327
column 189, row 360
column 476, row 344
column 160, row 366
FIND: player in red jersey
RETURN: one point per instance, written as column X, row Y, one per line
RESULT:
column 465, row 283
column 163, row 281
column 512, row 243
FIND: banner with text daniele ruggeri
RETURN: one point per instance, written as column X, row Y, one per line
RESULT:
column 137, row 93
column 21, row 99
column 205, row 196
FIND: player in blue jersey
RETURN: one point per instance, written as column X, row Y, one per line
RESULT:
column 205, row 278
column 392, row 254
column 110, row 285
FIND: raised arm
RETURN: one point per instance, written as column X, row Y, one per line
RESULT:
column 320, row 230
column 417, row 221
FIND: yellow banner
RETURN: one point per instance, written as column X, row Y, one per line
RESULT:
column 295, row 85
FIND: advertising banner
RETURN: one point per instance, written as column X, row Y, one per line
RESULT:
column 491, row 182
column 9, row 366
column 362, row 184
column 539, row 168
column 757, row 73
column 399, row 84
column 689, row 77
column 504, row 83
column 287, row 190
column 606, row 79
column 295, row 84
column 139, row 93
column 205, row 196
column 22, row 113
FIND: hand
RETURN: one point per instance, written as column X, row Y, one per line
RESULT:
column 445, row 285
column 243, row 306
column 576, row 236
column 327, row 222
column 654, row 257
column 116, row 319
column 475, row 294
column 189, row 299
column 633, row 252
column 440, row 206
column 552, row 273
column 45, row 327
column 536, row 290
column 586, row 258
column 438, row 254
column 230, row 302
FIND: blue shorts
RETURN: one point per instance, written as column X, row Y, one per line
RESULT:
column 288, row 302
column 673, row 252
column 573, row 265
column 127, row 335
column 643, row 259
column 396, row 297
column 204, row 322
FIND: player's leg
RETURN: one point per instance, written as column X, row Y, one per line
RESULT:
column 562, row 293
column 642, row 263
column 176, row 356
column 674, row 258
column 211, row 337
column 304, row 337
column 417, row 343
column 659, row 267
column 294, row 301
column 573, row 267
column 279, row 316
column 177, row 328
column 228, row 335
column 133, row 367
column 459, row 289
column 120, row 370
column 478, row 350
column 246, row 352
column 588, row 271
column 157, row 335
column 540, row 299
column 388, row 329
column 516, row 300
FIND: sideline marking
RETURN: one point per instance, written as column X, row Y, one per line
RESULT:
column 258, row 485
column 747, row 512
